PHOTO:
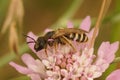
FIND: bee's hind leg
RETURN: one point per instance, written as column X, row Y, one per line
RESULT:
column 68, row 42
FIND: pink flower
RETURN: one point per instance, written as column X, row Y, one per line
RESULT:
column 66, row 64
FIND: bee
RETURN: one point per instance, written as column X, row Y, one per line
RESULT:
column 60, row 36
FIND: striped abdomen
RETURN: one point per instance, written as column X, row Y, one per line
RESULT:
column 77, row 37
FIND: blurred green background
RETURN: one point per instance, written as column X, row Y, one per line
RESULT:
column 41, row 14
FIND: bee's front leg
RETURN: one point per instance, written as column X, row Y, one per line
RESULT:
column 46, row 50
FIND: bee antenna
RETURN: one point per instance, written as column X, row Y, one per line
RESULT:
column 30, row 38
column 30, row 42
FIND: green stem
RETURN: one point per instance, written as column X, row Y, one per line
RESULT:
column 66, row 16
column 104, row 7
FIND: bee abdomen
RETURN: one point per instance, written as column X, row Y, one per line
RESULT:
column 83, row 38
column 77, row 37
column 70, row 36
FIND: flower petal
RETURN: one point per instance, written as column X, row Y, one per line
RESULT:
column 85, row 25
column 31, row 35
column 106, row 55
column 42, row 54
column 107, row 51
column 35, row 65
column 90, row 35
column 34, row 77
column 20, row 69
column 47, row 30
column 69, row 24
column 28, row 60
column 115, row 75
column 64, row 72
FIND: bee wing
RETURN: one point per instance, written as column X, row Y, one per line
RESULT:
column 61, row 32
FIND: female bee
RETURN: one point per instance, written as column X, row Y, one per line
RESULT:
column 60, row 36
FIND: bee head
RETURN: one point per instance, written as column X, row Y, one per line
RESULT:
column 40, row 44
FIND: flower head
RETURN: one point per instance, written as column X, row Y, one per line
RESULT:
column 67, row 64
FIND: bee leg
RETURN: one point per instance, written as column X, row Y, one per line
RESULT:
column 55, row 45
column 68, row 42
column 46, row 50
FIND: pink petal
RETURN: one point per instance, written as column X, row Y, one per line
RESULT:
column 69, row 24
column 107, row 51
column 102, row 65
column 34, row 65
column 64, row 72
column 35, row 77
column 41, row 54
column 86, row 23
column 28, row 60
column 32, row 35
column 90, row 35
column 31, row 45
column 115, row 75
column 83, row 78
column 20, row 69
column 47, row 30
